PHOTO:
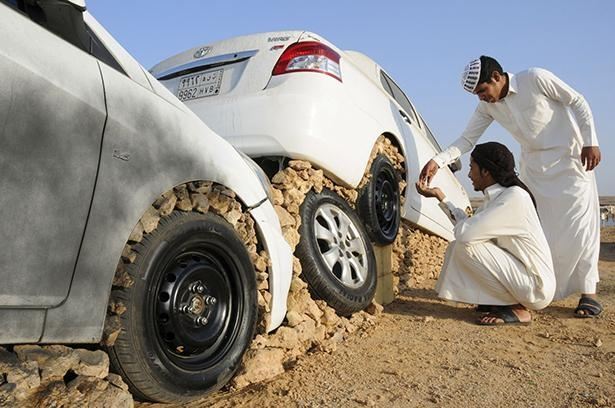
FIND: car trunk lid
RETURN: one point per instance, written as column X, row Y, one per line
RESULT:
column 230, row 67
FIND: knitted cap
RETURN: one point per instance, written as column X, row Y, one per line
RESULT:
column 471, row 73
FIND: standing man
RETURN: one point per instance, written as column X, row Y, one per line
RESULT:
column 500, row 257
column 559, row 149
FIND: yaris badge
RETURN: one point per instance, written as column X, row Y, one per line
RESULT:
column 201, row 52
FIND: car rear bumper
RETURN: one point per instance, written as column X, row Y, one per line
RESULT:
column 321, row 125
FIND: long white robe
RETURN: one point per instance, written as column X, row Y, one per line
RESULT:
column 552, row 123
column 500, row 256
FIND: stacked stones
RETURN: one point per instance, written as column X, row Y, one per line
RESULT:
column 416, row 256
column 310, row 324
column 59, row 376
column 203, row 197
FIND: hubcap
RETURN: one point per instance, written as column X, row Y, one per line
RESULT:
column 341, row 246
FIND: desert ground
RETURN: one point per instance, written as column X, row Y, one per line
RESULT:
column 427, row 353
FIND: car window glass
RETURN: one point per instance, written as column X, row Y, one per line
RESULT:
column 98, row 50
column 385, row 84
column 62, row 19
column 401, row 99
column 430, row 135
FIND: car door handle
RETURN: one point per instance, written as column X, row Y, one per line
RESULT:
column 406, row 118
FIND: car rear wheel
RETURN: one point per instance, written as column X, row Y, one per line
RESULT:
column 336, row 255
column 191, row 312
column 379, row 202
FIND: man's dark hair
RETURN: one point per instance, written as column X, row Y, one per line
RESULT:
column 487, row 66
column 500, row 163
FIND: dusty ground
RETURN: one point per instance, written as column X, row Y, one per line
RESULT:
column 426, row 353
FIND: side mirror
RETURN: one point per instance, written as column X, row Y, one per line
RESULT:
column 455, row 166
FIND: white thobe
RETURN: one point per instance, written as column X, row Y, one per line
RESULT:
column 552, row 123
column 500, row 256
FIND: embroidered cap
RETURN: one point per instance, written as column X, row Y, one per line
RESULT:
column 471, row 73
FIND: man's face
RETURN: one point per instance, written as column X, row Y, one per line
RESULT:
column 491, row 91
column 477, row 176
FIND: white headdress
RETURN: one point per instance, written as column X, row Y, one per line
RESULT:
column 471, row 73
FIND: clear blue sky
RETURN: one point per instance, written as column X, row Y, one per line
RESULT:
column 424, row 45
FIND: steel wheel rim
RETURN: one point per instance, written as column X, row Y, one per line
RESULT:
column 387, row 203
column 341, row 246
column 193, row 310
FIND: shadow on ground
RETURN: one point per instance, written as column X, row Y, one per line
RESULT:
column 423, row 303
column 607, row 252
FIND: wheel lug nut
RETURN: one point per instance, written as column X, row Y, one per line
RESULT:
column 201, row 321
column 197, row 287
column 185, row 309
column 210, row 300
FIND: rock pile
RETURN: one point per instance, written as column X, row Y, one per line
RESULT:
column 49, row 375
column 416, row 256
column 59, row 376
column 201, row 197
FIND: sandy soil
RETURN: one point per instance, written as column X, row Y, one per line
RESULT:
column 427, row 353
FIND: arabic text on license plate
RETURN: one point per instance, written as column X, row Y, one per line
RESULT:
column 200, row 85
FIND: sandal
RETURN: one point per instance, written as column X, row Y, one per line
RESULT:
column 590, row 306
column 505, row 314
column 486, row 308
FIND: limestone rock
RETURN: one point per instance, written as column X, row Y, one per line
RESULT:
column 150, row 220
column 92, row 363
column 200, row 202
column 260, row 365
column 167, row 205
column 137, row 233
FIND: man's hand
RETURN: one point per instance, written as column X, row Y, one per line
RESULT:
column 590, row 157
column 426, row 191
column 429, row 171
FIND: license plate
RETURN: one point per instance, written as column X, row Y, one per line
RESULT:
column 200, row 85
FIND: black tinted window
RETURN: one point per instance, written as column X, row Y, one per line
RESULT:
column 98, row 50
column 430, row 136
column 401, row 98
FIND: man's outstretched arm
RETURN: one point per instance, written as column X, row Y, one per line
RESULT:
column 474, row 130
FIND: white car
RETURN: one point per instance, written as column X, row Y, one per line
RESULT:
column 294, row 95
column 90, row 142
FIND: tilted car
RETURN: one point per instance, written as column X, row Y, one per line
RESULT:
column 294, row 95
column 90, row 141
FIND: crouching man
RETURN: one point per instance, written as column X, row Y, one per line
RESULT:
column 500, row 259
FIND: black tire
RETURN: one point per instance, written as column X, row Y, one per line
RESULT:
column 323, row 256
column 164, row 353
column 379, row 202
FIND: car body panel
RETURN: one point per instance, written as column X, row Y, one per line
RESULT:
column 52, row 118
column 151, row 143
column 306, row 115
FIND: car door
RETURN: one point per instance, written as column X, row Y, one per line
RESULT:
column 52, row 116
column 422, row 146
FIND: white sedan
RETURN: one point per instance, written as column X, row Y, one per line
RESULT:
column 294, row 95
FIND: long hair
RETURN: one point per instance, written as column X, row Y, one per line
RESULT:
column 500, row 163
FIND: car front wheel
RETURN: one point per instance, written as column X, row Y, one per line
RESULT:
column 191, row 312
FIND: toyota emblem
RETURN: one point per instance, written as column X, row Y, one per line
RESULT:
column 201, row 52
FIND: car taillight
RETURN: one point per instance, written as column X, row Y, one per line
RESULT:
column 309, row 56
